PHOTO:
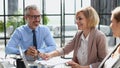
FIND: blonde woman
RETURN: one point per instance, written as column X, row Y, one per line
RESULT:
column 89, row 44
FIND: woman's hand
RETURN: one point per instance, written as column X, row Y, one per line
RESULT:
column 73, row 64
column 76, row 65
column 49, row 55
column 45, row 56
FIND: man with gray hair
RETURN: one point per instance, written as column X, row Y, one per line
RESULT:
column 33, row 38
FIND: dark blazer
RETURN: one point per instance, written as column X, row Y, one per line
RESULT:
column 108, row 56
column 96, row 47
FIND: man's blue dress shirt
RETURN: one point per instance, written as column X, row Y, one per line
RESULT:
column 23, row 37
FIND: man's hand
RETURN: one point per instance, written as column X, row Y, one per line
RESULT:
column 31, row 51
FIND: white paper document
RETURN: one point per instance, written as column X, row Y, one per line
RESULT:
column 53, row 61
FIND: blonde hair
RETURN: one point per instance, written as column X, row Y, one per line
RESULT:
column 116, row 13
column 91, row 15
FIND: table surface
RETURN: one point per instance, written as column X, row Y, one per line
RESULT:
column 11, row 63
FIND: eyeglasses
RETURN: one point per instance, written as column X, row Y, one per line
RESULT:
column 34, row 16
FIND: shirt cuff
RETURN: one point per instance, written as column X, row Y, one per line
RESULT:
column 90, row 66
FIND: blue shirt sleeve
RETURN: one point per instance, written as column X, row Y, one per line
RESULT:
column 12, row 45
column 49, row 41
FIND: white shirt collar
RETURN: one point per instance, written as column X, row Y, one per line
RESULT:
column 83, row 37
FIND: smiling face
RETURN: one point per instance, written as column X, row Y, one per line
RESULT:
column 33, row 18
column 87, row 18
column 81, row 21
column 115, row 26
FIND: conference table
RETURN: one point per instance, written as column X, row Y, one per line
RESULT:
column 11, row 63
